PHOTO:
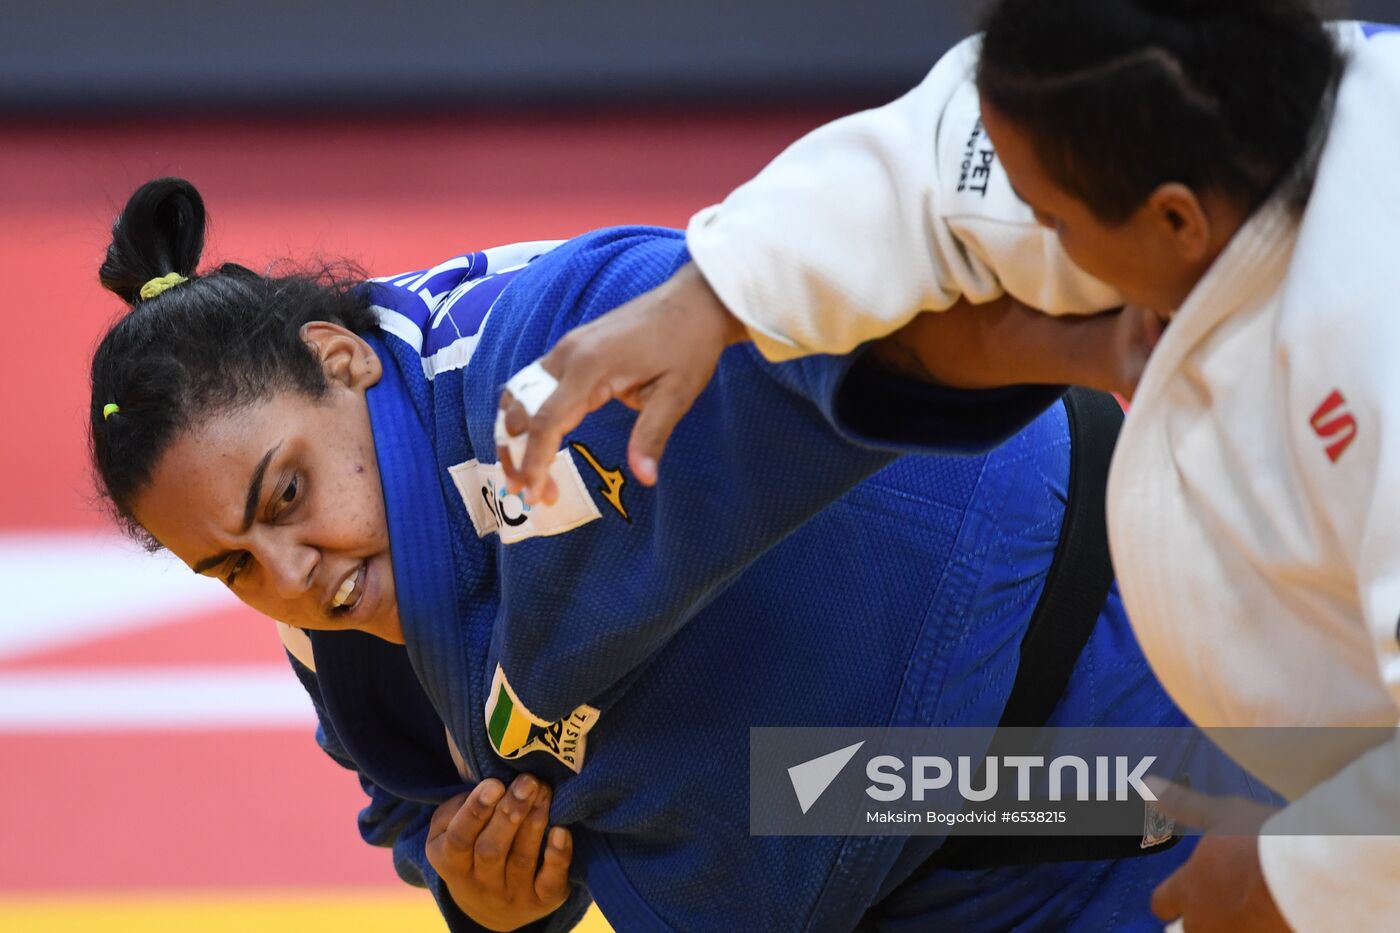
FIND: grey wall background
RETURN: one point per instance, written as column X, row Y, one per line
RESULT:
column 89, row 55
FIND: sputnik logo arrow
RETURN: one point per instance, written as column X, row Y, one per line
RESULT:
column 811, row 778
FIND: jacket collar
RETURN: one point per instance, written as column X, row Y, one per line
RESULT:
column 389, row 702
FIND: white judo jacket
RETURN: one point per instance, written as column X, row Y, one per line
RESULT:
column 1254, row 499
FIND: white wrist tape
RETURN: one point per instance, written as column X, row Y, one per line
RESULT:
column 530, row 387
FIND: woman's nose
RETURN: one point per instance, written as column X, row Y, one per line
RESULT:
column 291, row 566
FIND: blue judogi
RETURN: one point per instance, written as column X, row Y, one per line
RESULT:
column 787, row 571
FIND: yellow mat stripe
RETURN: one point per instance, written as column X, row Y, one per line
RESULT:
column 227, row 912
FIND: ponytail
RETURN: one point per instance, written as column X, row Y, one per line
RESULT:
column 160, row 232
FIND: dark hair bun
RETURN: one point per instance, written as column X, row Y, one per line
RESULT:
column 161, row 230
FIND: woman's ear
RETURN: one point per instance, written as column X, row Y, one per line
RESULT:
column 346, row 358
column 1182, row 221
column 1193, row 227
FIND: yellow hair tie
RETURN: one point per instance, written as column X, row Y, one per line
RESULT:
column 158, row 285
column 110, row 409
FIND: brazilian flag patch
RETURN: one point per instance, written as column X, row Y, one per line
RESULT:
column 515, row 732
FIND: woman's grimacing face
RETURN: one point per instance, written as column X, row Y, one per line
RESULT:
column 281, row 500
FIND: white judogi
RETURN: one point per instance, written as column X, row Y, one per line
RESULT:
column 871, row 219
column 1254, row 501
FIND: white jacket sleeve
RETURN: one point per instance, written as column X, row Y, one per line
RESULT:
column 869, row 220
column 1322, row 880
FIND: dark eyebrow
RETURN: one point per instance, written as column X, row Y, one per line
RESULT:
column 250, row 507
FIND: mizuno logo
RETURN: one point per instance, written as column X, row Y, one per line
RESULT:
column 1334, row 424
column 613, row 480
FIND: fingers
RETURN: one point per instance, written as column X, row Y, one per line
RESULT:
column 531, row 440
column 662, row 410
column 1139, row 332
column 455, row 827
column 515, row 418
column 552, row 882
column 1166, row 900
column 678, row 329
column 525, row 851
column 1184, row 805
column 559, row 414
column 493, row 843
column 443, row 815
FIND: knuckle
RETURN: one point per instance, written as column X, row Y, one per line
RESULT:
column 545, row 416
column 565, row 349
column 584, row 352
column 458, row 838
column 651, row 424
column 522, row 861
column 602, row 393
column 488, row 852
column 682, row 391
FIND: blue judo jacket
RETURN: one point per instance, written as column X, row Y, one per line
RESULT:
column 787, row 571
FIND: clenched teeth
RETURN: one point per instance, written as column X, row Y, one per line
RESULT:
column 342, row 595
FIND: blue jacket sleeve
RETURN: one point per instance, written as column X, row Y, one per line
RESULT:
column 870, row 406
column 402, row 826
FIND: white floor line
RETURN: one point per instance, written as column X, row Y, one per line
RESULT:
column 65, row 588
column 74, row 699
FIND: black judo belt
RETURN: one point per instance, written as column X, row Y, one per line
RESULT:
column 1076, row 587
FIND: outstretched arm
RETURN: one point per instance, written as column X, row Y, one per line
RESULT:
column 657, row 352
column 843, row 239
column 1004, row 343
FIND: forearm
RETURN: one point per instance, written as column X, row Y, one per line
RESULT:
column 1003, row 343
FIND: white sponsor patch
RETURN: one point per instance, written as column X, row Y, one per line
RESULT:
column 482, row 487
column 974, row 182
